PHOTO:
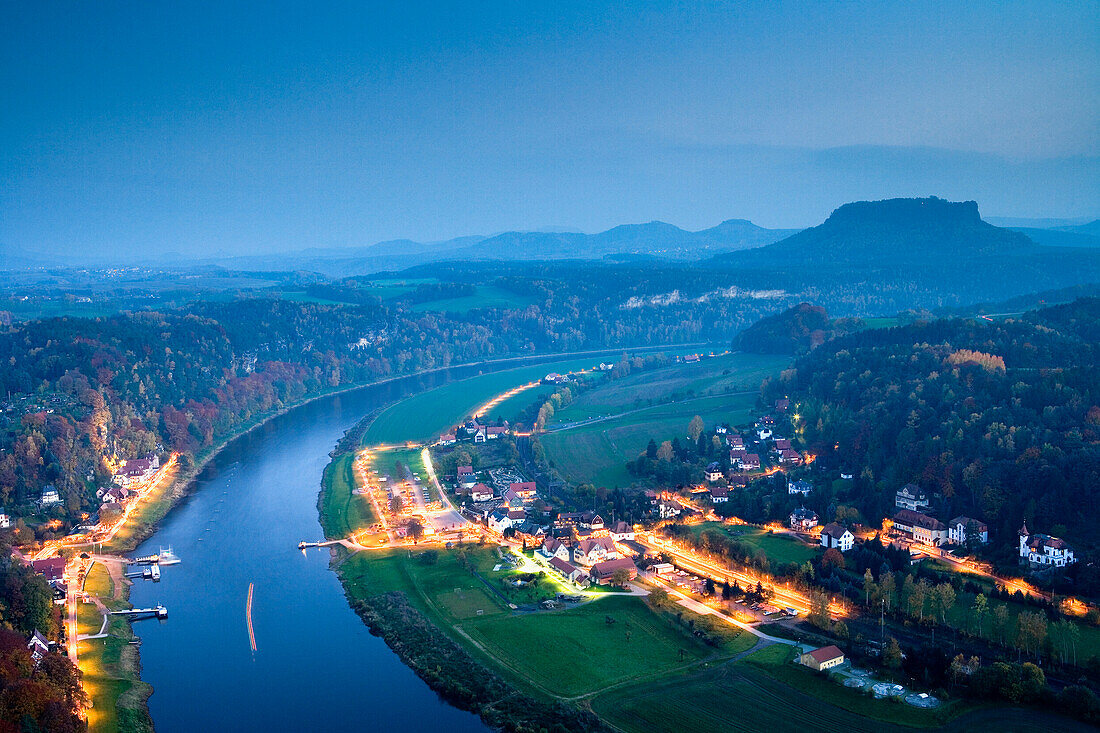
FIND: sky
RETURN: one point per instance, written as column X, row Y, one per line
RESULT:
column 227, row 128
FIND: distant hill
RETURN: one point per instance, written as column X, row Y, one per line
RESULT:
column 654, row 239
column 1061, row 237
column 895, row 231
column 794, row 331
column 914, row 245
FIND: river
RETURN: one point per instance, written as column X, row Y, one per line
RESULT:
column 316, row 667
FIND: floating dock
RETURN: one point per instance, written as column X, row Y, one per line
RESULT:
column 139, row 613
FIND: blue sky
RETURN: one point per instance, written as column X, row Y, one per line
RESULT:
column 228, row 127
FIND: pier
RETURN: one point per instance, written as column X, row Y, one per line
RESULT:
column 134, row 614
column 151, row 572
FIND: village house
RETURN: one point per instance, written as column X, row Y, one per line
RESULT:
column 763, row 432
column 466, row 476
column 781, row 444
column 719, row 495
column 511, row 499
column 800, row 486
column 733, row 440
column 481, row 434
column 52, row 569
column 595, row 549
column 591, row 521
column 750, row 462
column 553, row 547
column 713, row 472
column 823, row 658
column 721, row 429
column 569, row 519
column 480, row 492
column 501, row 520
column 524, row 489
column 1042, row 549
column 495, row 432
column 622, row 531
column 790, row 457
column 782, row 405
column 668, row 508
column 448, row 439
column 39, row 646
column 921, row 527
column 834, row 535
column 50, row 496
column 960, row 527
column 569, row 571
column 602, row 572
column 5, row 520
column 803, row 519
column 115, row 495
column 911, row 497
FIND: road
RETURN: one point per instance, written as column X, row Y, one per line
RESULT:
column 693, row 563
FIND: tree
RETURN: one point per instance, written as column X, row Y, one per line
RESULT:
column 999, row 617
column 891, row 655
column 869, row 588
column 943, row 599
column 620, row 577
column 1031, row 631
column 695, row 428
column 832, row 558
column 651, row 450
column 978, row 610
column 819, row 610
column 664, row 453
column 708, row 587
column 415, row 530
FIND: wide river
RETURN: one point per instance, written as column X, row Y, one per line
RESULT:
column 316, row 667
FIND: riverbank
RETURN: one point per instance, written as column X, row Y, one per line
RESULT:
column 128, row 710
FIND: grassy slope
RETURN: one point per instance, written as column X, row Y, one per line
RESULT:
column 597, row 452
column 779, row 548
column 110, row 665
column 423, row 416
column 342, row 512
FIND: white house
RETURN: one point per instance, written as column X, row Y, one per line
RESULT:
column 553, row 547
column 39, row 646
column 719, row 495
column 763, row 433
column 622, row 531
column 1042, row 549
column 957, row 530
column 800, row 487
column 480, row 492
column 834, row 535
column 466, row 476
column 500, row 521
column 668, row 508
column 50, row 496
column 713, row 472
column 803, row 519
column 921, row 527
column 448, row 439
column 5, row 520
column 593, row 550
column 911, row 497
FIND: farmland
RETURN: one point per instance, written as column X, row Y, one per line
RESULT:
column 654, row 405
column 598, row 452
column 423, row 416
column 779, row 547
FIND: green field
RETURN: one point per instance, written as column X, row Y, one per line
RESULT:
column 597, row 453
column 425, row 415
column 762, row 692
column 109, row 665
column 342, row 512
column 780, row 548
column 575, row 652
column 485, row 296
column 720, row 375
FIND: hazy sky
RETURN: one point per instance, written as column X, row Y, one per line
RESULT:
column 230, row 127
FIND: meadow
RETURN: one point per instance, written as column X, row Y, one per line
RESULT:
column 342, row 512
column 780, row 548
column 425, row 415
column 597, row 453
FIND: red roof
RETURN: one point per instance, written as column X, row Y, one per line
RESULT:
column 523, row 486
column 609, row 566
column 561, row 565
column 825, row 654
column 465, row 469
column 833, row 529
column 52, row 568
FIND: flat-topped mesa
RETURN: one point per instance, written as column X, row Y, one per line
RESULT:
column 930, row 211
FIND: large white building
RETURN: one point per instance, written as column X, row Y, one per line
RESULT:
column 1042, row 549
column 834, row 535
column 957, row 530
column 911, row 497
